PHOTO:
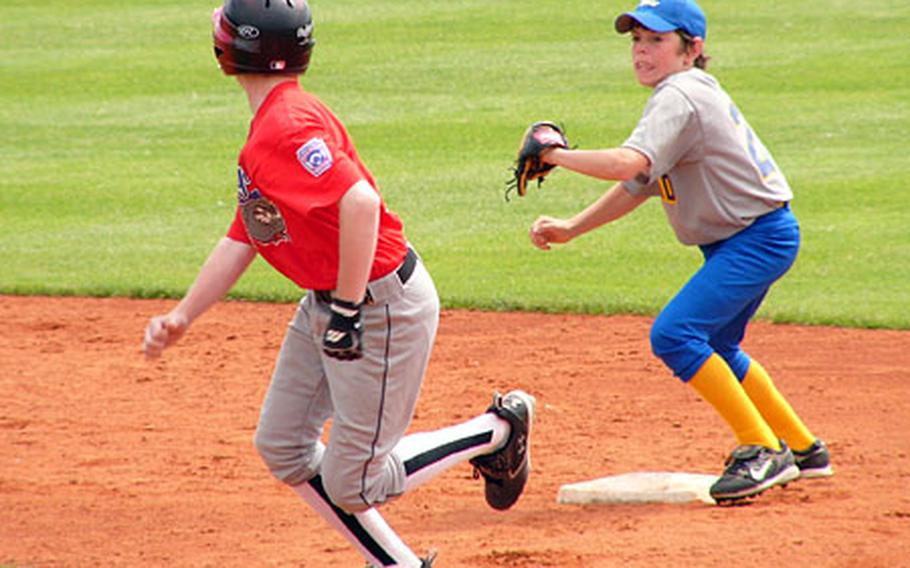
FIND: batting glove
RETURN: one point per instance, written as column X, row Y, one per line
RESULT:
column 342, row 338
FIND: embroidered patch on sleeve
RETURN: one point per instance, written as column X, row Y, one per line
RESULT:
column 315, row 157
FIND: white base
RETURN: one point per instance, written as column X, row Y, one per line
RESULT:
column 640, row 487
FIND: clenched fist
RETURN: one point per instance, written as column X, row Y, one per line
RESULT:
column 546, row 230
column 162, row 332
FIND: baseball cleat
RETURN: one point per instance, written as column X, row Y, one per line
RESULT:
column 424, row 562
column 505, row 471
column 814, row 461
column 428, row 561
column 751, row 470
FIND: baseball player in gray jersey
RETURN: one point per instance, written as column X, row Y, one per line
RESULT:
column 723, row 192
column 359, row 343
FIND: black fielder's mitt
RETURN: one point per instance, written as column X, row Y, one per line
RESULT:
column 539, row 137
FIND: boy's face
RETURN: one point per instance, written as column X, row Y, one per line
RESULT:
column 657, row 55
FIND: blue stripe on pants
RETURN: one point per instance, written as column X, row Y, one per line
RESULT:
column 710, row 313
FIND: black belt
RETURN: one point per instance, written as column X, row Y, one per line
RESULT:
column 404, row 273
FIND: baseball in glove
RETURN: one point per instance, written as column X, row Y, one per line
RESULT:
column 539, row 137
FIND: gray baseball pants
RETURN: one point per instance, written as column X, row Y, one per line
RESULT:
column 370, row 401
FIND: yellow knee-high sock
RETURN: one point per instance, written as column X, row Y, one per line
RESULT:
column 775, row 409
column 717, row 384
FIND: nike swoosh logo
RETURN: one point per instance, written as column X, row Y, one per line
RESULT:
column 759, row 473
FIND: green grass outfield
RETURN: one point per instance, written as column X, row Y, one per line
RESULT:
column 119, row 141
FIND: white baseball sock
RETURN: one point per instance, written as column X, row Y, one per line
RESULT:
column 366, row 530
column 424, row 456
column 427, row 454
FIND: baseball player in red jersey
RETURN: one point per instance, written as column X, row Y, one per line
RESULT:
column 723, row 192
column 359, row 343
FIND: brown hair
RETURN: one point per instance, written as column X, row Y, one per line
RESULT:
column 702, row 60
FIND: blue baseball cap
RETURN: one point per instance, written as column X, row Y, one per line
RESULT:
column 665, row 16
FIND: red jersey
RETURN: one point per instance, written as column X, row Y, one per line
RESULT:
column 297, row 163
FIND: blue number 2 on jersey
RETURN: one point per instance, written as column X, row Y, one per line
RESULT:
column 757, row 151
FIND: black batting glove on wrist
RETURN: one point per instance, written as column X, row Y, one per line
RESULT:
column 342, row 338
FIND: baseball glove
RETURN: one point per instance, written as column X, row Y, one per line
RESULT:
column 539, row 137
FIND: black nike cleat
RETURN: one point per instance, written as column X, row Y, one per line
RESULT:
column 751, row 470
column 814, row 461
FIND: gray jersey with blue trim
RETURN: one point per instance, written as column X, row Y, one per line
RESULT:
column 714, row 175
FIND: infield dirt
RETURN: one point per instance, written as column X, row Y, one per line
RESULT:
column 109, row 460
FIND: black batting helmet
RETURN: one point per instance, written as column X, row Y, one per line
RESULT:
column 263, row 36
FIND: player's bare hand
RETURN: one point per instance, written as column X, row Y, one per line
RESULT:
column 546, row 230
column 162, row 332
